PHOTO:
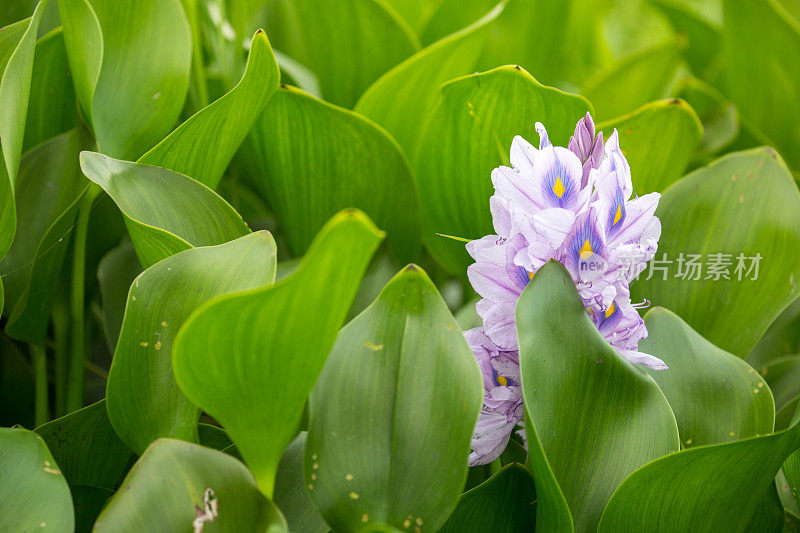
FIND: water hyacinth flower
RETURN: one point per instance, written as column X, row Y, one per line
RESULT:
column 574, row 205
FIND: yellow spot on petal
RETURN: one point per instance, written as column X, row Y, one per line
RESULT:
column 618, row 215
column 558, row 187
column 372, row 346
column 349, row 477
column 354, row 495
column 530, row 275
column 407, row 523
column 364, row 517
column 502, row 380
column 586, row 250
column 157, row 345
column 610, row 310
column 144, row 344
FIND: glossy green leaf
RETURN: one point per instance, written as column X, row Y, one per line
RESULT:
column 351, row 46
column 716, row 397
column 415, row 12
column 742, row 204
column 505, row 503
column 782, row 338
column 312, row 159
column 586, row 405
column 17, row 45
column 634, row 81
column 33, row 494
column 51, row 106
column 703, row 37
column 172, row 485
column 34, row 262
column 398, row 373
column 658, row 139
column 718, row 115
column 213, row 437
column 203, row 146
column 761, row 41
column 783, row 376
column 256, row 385
column 128, row 55
column 115, row 273
column 720, row 487
column 166, row 212
column 291, row 496
column 144, row 403
column 402, row 99
column 469, row 134
column 91, row 456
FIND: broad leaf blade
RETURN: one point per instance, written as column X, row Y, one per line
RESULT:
column 398, row 373
column 256, row 385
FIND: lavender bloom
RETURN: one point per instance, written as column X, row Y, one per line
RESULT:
column 574, row 205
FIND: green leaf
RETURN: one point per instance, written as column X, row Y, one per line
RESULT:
column 782, row 338
column 258, row 390
column 290, row 491
column 203, row 146
column 703, row 37
column 505, row 503
column 744, row 203
column 16, row 68
column 586, row 405
column 213, row 437
column 658, row 139
column 351, row 46
column 33, row 491
column 311, row 159
column 415, row 12
column 716, row 397
column 469, row 134
column 166, row 212
column 783, row 376
column 376, row 455
column 761, row 41
column 128, row 55
column 168, row 487
column 51, row 107
column 672, row 493
column 34, row 262
column 93, row 459
column 144, row 403
column 115, row 273
column 402, row 99
column 718, row 115
column 634, row 81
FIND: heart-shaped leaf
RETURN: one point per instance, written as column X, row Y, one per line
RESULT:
column 351, row 46
column 723, row 487
column 470, row 134
column 116, row 69
column 592, row 417
column 311, row 159
column 179, row 486
column 716, row 397
column 203, row 146
column 398, row 373
column 634, row 81
column 659, row 140
column 739, row 220
column 505, row 503
column 144, row 402
column 256, row 385
column 761, row 41
column 91, row 456
column 33, row 494
column 166, row 212
column 402, row 99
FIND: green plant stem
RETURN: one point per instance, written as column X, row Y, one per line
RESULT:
column 39, row 357
column 60, row 317
column 74, row 395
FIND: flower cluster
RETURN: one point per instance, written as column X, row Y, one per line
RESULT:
column 570, row 204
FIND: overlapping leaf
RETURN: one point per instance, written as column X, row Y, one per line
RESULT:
column 716, row 397
column 469, row 134
column 174, row 483
column 33, row 491
column 311, row 159
column 593, row 418
column 659, row 139
column 166, row 212
column 203, row 146
column 783, row 376
column 743, row 205
column 251, row 359
column 398, row 373
column 128, row 55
